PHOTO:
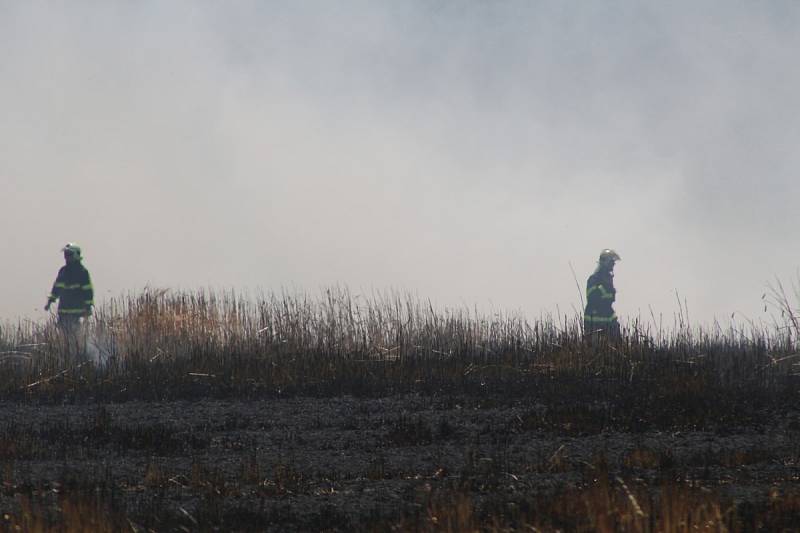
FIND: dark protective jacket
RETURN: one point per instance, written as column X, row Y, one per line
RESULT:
column 73, row 290
column 600, row 295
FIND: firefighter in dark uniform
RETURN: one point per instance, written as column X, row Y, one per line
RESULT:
column 599, row 316
column 73, row 290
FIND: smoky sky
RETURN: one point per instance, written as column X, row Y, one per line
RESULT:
column 468, row 152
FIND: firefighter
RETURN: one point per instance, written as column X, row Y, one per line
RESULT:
column 599, row 316
column 73, row 290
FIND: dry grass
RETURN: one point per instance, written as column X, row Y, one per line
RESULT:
column 603, row 503
column 163, row 344
column 68, row 512
column 600, row 506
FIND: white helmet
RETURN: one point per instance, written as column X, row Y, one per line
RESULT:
column 72, row 249
column 609, row 257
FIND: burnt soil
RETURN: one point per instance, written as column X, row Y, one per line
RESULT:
column 347, row 463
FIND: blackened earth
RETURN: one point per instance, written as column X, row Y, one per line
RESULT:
column 356, row 463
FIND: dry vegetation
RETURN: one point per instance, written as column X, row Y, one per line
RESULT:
column 502, row 415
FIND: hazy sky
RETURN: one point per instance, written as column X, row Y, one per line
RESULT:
column 467, row 151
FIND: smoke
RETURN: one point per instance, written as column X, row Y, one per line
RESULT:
column 466, row 151
column 97, row 348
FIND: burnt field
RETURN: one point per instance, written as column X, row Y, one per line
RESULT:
column 203, row 412
column 406, row 462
